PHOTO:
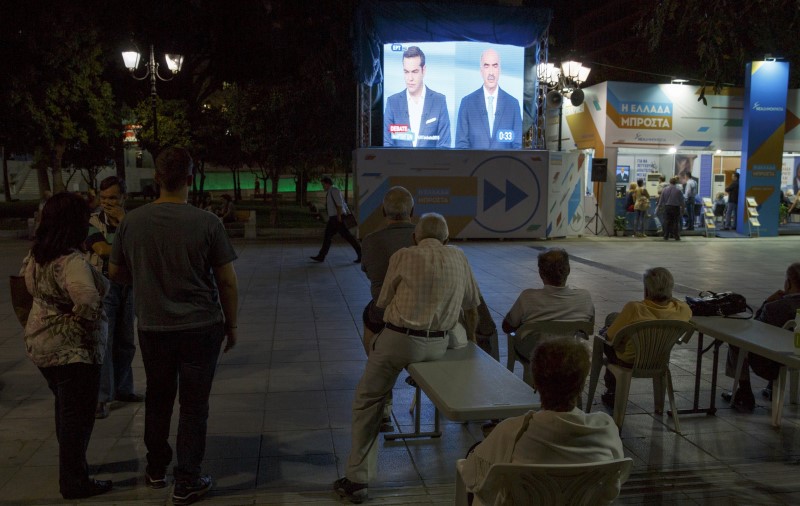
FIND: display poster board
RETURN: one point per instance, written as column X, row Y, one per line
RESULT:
column 565, row 212
column 482, row 194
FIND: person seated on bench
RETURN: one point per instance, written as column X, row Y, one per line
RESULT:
column 777, row 309
column 560, row 432
column 658, row 304
column 376, row 250
column 554, row 301
column 425, row 288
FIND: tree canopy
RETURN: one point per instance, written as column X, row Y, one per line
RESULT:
column 725, row 35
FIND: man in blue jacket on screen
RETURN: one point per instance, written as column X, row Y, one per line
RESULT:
column 489, row 118
column 416, row 117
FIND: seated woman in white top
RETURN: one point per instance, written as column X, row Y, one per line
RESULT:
column 559, row 433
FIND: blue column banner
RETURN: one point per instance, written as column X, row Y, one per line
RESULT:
column 706, row 169
column 766, row 84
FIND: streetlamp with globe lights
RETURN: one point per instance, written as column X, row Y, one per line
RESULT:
column 174, row 64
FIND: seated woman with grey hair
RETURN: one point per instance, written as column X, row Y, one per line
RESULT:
column 559, row 433
column 658, row 304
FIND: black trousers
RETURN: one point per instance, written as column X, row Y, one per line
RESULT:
column 335, row 226
column 75, row 387
column 184, row 360
column 672, row 222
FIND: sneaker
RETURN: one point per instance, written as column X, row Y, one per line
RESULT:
column 91, row 489
column 155, row 480
column 318, row 258
column 131, row 397
column 101, row 411
column 766, row 393
column 386, row 425
column 744, row 400
column 188, row 493
column 354, row 492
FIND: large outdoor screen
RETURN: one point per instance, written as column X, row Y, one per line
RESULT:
column 465, row 95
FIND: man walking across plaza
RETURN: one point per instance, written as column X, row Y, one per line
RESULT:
column 425, row 289
column 116, row 376
column 336, row 209
column 180, row 262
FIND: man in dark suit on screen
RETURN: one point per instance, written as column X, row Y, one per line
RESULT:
column 416, row 117
column 489, row 118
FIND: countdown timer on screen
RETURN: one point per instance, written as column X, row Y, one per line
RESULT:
column 465, row 95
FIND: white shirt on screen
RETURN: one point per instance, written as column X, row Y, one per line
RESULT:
column 415, row 114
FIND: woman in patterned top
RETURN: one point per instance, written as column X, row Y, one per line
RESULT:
column 66, row 333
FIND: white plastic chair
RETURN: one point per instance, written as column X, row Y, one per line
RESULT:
column 592, row 484
column 652, row 343
column 530, row 334
column 794, row 374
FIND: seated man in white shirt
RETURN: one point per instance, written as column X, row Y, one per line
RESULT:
column 559, row 433
column 555, row 301
column 425, row 288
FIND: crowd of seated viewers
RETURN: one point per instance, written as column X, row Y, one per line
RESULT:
column 423, row 293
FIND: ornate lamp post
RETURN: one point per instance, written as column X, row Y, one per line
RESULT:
column 562, row 82
column 174, row 64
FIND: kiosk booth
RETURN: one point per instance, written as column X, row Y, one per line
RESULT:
column 647, row 130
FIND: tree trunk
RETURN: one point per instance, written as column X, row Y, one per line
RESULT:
column 202, row 170
column 238, row 189
column 41, row 177
column 58, row 179
column 273, row 215
column 119, row 156
column 6, row 182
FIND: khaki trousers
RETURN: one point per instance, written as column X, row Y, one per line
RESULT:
column 391, row 353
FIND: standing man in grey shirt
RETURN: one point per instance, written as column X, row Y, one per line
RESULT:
column 672, row 202
column 180, row 262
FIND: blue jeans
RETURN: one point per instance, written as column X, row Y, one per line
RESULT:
column 75, row 389
column 184, row 360
column 730, row 215
column 690, row 213
column 116, row 376
column 639, row 222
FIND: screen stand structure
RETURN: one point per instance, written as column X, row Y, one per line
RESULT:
column 598, row 221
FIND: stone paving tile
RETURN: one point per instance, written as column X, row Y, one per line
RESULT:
column 280, row 409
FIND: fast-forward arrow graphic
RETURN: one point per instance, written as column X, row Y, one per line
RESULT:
column 492, row 195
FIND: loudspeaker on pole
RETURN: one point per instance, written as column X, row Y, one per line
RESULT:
column 599, row 170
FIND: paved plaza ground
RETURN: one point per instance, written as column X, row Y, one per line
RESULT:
column 280, row 405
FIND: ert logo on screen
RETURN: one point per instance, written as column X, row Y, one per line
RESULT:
column 397, row 47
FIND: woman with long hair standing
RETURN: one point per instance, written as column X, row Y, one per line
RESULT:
column 66, row 332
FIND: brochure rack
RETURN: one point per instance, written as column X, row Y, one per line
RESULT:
column 709, row 219
column 752, row 216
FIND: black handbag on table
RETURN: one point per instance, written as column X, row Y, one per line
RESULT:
column 719, row 304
